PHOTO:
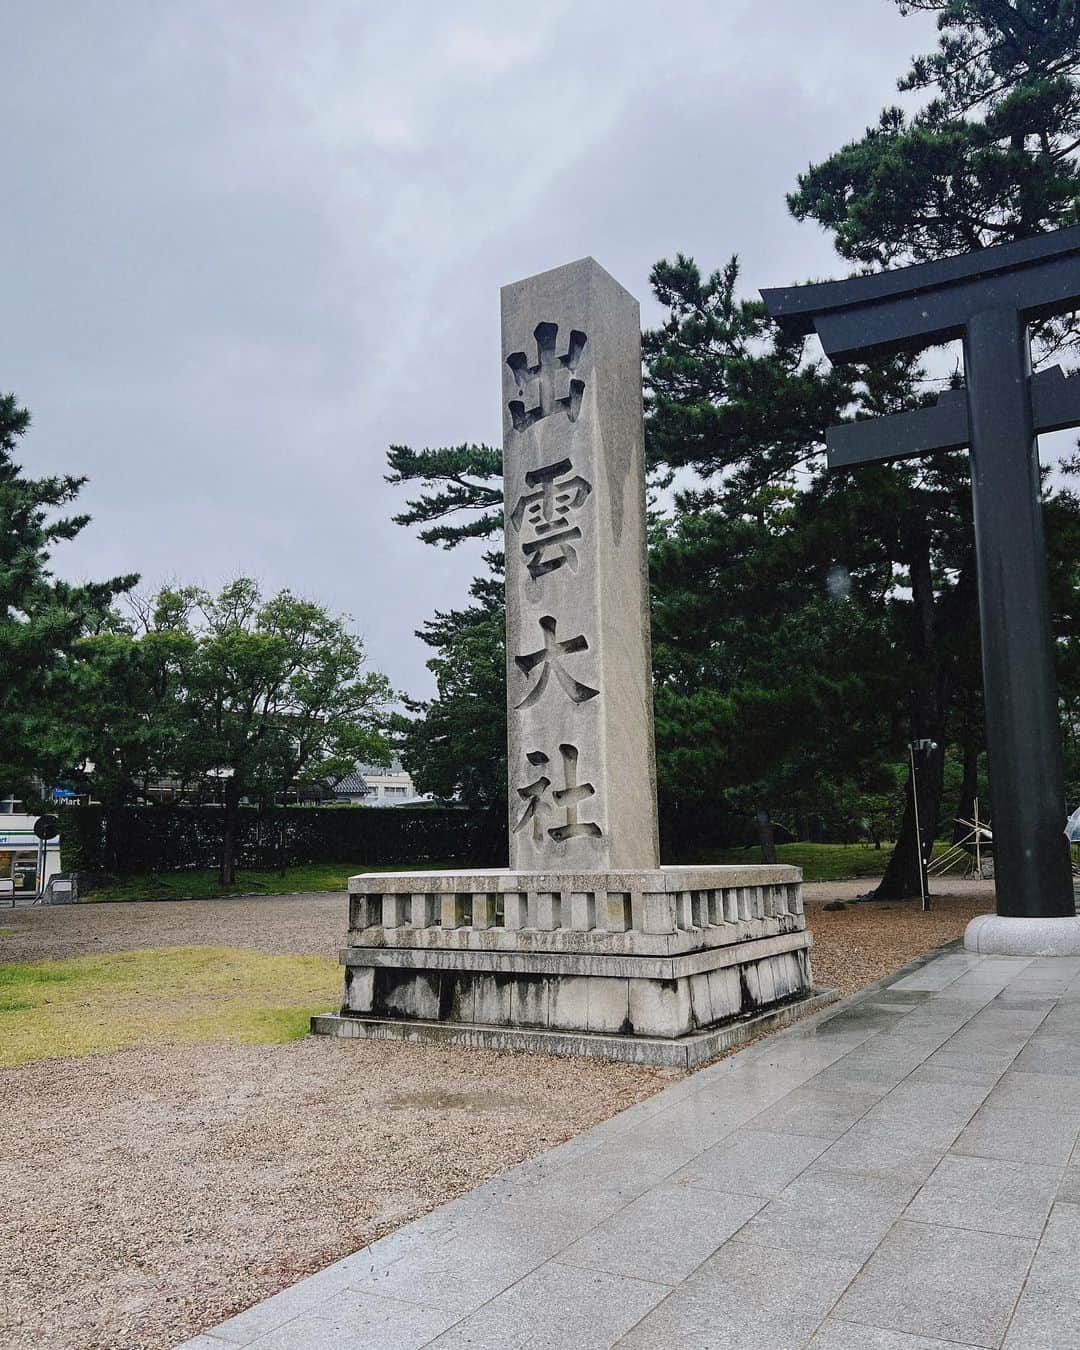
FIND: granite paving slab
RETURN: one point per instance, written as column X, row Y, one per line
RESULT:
column 1048, row 1314
column 900, row 1171
column 987, row 1194
column 949, row 1283
column 836, row 1334
column 554, row 1307
column 815, row 1111
column 755, row 1162
column 1070, row 1187
column 665, row 1234
column 1018, row 1134
column 744, row 1296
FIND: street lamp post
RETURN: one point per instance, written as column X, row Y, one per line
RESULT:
column 922, row 747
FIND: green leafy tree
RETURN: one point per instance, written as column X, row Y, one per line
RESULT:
column 129, row 710
column 277, row 696
column 41, row 617
column 238, row 696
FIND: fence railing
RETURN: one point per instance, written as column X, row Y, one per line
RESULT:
column 136, row 839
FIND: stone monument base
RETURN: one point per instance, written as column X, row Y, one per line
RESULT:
column 1002, row 935
column 660, row 966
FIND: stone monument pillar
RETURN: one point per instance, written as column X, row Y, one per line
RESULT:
column 578, row 671
column 585, row 944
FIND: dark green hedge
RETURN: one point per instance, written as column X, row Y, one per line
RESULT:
column 138, row 839
column 135, row 839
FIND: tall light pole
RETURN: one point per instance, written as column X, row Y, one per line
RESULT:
column 922, row 747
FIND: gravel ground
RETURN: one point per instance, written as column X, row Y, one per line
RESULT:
column 303, row 925
column 315, row 924
column 152, row 1192
column 861, row 943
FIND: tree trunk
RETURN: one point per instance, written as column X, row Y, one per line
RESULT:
column 969, row 787
column 902, row 877
column 229, row 823
column 929, row 703
column 766, row 836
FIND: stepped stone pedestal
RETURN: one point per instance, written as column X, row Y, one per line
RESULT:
column 585, row 944
column 666, row 966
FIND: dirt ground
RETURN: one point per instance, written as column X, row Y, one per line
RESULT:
column 152, row 1192
column 303, row 925
column 863, row 942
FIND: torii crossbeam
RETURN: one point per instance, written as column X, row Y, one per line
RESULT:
column 987, row 299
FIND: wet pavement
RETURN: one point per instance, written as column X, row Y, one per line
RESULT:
column 900, row 1171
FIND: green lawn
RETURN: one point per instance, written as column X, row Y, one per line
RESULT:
column 90, row 1004
column 203, row 883
column 820, row 862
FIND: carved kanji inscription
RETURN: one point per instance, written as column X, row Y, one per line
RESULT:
column 544, row 515
column 549, row 661
column 550, row 376
column 568, row 798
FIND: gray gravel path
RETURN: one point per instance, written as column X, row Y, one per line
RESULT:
column 307, row 924
column 148, row 1192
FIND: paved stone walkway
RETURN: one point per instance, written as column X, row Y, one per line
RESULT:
column 902, row 1171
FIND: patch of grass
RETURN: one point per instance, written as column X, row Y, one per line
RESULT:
column 202, row 884
column 91, row 1004
column 820, row 862
column 260, row 1026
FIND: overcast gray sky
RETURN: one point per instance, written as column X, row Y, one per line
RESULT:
column 247, row 244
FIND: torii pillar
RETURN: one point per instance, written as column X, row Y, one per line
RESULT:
column 987, row 299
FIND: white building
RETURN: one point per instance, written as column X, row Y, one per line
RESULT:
column 372, row 785
column 25, row 864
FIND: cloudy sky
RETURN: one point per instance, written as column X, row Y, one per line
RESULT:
column 247, row 244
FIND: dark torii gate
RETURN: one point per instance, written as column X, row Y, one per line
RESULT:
column 988, row 299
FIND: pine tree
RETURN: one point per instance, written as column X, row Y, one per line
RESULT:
column 775, row 594
column 989, row 157
column 41, row 617
column 460, row 480
column 751, row 550
column 454, row 745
